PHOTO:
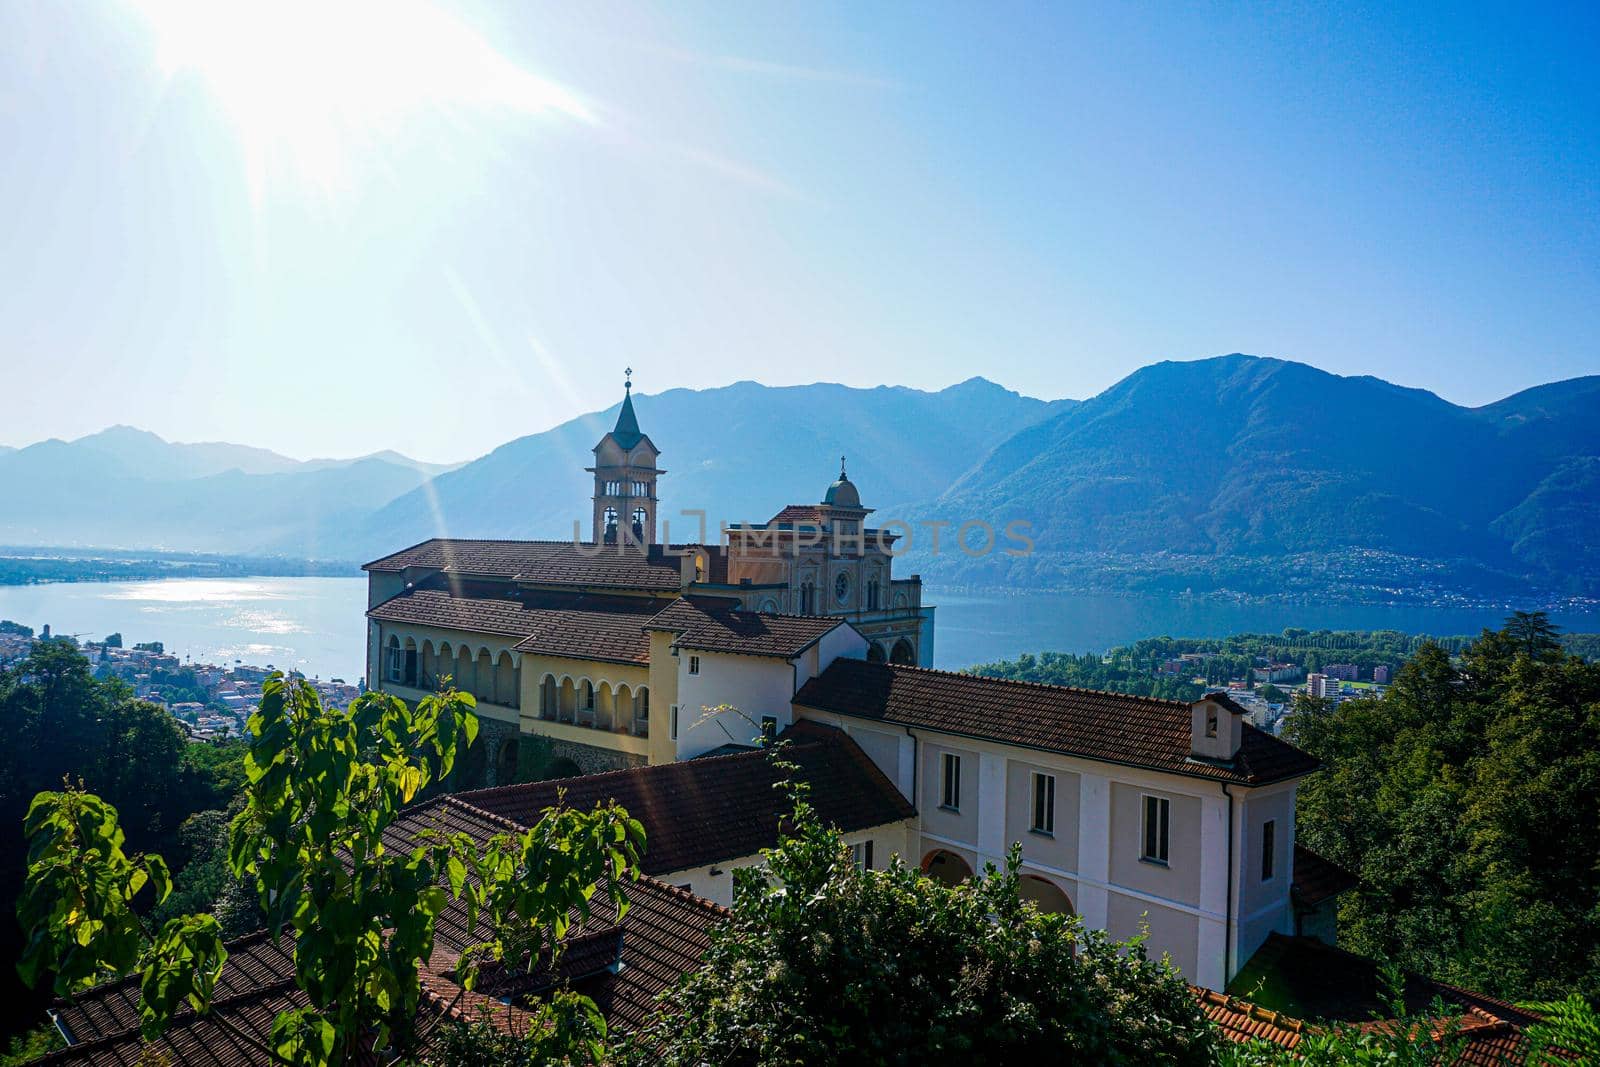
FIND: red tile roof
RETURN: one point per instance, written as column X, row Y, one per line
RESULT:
column 577, row 625
column 718, row 624
column 1112, row 727
column 654, row 568
column 719, row 808
column 1241, row 1021
column 663, row 936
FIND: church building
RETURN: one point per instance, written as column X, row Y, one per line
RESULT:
column 626, row 657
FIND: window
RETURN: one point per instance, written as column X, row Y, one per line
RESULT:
column 694, row 664
column 841, row 588
column 396, row 660
column 641, row 489
column 1211, row 720
column 951, row 779
column 1157, row 811
column 588, row 696
column 1044, row 803
column 808, row 598
column 769, row 728
column 873, row 588
column 1269, row 844
column 861, row 853
column 673, row 731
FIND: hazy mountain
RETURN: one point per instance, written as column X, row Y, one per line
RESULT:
column 124, row 487
column 739, row 452
column 1244, row 456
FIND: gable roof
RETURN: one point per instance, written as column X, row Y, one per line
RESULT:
column 1110, row 727
column 719, row 624
column 1317, row 879
column 576, row 625
column 663, row 936
column 654, row 568
column 719, row 808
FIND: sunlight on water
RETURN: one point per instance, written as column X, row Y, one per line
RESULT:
column 193, row 590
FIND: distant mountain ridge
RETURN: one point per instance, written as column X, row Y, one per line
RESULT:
column 1235, row 458
column 1244, row 456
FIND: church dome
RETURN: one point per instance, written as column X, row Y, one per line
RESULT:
column 842, row 493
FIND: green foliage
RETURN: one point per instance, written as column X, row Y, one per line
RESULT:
column 27, row 1047
column 1113, row 674
column 1569, row 1034
column 569, row 1029
column 1458, row 799
column 823, row 963
column 57, row 721
column 1398, row 1038
column 322, row 788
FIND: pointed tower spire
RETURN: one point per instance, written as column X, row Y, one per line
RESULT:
column 627, row 430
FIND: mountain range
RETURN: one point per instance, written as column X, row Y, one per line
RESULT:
column 1237, row 458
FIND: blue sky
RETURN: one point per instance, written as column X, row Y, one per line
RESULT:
column 454, row 224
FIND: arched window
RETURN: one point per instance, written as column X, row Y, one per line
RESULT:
column 875, row 653
column 547, row 697
column 808, row 597
column 903, row 653
column 641, row 713
column 874, row 590
column 640, row 517
column 396, row 659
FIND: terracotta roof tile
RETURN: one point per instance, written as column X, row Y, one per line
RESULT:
column 561, row 563
column 1113, row 727
column 580, row 625
column 717, row 624
column 662, row 937
column 716, row 809
column 1241, row 1021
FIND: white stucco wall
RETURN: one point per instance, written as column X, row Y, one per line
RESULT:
column 754, row 685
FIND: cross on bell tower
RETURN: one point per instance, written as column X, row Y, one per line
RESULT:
column 625, row 474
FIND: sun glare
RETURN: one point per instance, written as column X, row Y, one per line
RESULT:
column 315, row 90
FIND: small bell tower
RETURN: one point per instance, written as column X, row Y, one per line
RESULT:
column 625, row 474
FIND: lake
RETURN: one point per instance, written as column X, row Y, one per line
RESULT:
column 315, row 624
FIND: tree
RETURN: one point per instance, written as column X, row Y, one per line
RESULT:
column 820, row 962
column 113, row 641
column 323, row 787
column 1458, row 799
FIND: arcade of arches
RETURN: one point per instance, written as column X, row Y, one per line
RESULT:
column 951, row 869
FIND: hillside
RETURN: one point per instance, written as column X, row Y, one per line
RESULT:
column 740, row 452
column 129, row 488
column 1241, row 457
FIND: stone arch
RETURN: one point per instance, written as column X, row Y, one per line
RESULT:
column 769, row 606
column 875, row 653
column 549, row 695
column 444, row 663
column 903, row 653
column 605, row 707
column 586, row 702
column 464, row 672
column 947, row 867
column 1049, row 897
column 507, row 681
column 640, row 724
column 624, row 699
column 483, row 677
column 505, row 764
column 425, row 666
column 562, row 767
column 567, row 708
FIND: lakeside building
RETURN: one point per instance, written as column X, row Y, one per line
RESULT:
column 628, row 657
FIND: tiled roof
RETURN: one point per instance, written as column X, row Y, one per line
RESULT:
column 722, row 808
column 1317, row 879
column 795, row 514
column 717, row 624
column 1113, row 727
column 654, row 568
column 578, row 625
column 662, row 937
column 1241, row 1021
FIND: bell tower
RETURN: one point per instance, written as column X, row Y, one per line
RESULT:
column 625, row 474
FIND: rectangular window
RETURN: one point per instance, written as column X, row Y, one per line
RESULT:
column 1211, row 721
column 769, row 728
column 861, row 852
column 674, row 717
column 694, row 664
column 1269, row 845
column 1044, row 803
column 1156, row 813
column 951, row 779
